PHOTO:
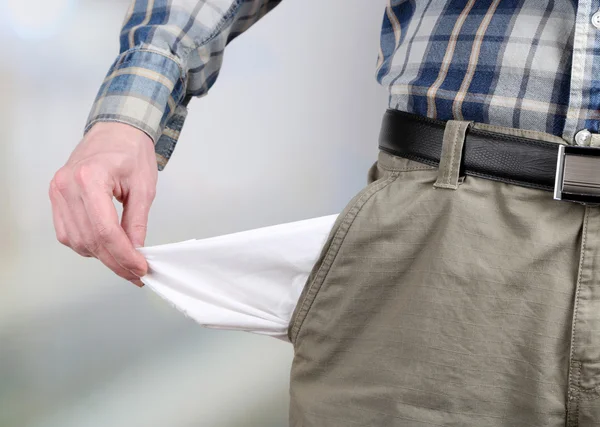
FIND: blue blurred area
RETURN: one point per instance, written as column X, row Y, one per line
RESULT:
column 287, row 140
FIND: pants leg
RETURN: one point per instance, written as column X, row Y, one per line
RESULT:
column 440, row 307
column 584, row 367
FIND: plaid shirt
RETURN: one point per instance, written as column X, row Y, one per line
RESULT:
column 528, row 64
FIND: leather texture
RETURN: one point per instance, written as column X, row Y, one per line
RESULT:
column 505, row 158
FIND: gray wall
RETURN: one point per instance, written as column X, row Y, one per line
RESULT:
column 287, row 133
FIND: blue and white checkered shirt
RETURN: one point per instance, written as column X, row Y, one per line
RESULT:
column 528, row 64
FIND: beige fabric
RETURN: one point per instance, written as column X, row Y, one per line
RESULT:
column 450, row 159
column 474, row 307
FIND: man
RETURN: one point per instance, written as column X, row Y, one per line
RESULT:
column 456, row 288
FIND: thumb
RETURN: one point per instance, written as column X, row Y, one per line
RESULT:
column 135, row 217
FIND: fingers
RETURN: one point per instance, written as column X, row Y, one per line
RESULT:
column 89, row 244
column 88, row 247
column 137, row 283
column 104, row 223
column 66, row 226
column 135, row 215
column 107, row 259
column 86, row 220
column 110, row 161
column 57, row 218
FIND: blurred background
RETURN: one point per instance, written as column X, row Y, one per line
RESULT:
column 287, row 133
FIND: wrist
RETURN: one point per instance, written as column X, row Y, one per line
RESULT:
column 124, row 130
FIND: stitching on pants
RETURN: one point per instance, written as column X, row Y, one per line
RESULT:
column 410, row 157
column 590, row 393
column 448, row 167
column 424, row 168
column 389, row 168
column 578, row 291
column 332, row 252
column 573, row 399
column 452, row 152
column 451, row 157
column 573, row 393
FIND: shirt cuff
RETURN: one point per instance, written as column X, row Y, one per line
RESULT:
column 145, row 89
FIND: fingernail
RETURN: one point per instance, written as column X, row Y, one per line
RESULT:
column 137, row 283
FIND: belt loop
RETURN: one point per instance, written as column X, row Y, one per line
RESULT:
column 450, row 160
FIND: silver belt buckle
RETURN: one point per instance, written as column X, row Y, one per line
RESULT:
column 578, row 175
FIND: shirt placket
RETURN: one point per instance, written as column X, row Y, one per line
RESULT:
column 578, row 129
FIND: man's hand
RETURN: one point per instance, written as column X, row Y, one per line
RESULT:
column 113, row 160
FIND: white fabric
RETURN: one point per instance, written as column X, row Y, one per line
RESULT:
column 248, row 281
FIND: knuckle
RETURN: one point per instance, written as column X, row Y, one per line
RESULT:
column 53, row 189
column 105, row 234
column 139, row 227
column 83, row 174
column 61, row 181
column 79, row 247
column 92, row 246
column 62, row 238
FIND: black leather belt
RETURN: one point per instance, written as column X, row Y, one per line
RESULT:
column 571, row 172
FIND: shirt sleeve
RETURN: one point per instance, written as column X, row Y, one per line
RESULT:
column 171, row 51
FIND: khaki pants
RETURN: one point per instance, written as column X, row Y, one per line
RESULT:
column 475, row 306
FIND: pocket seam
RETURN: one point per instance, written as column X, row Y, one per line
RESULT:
column 331, row 254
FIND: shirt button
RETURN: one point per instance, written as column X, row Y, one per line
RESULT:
column 596, row 19
column 583, row 137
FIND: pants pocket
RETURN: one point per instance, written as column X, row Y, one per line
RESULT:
column 378, row 180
